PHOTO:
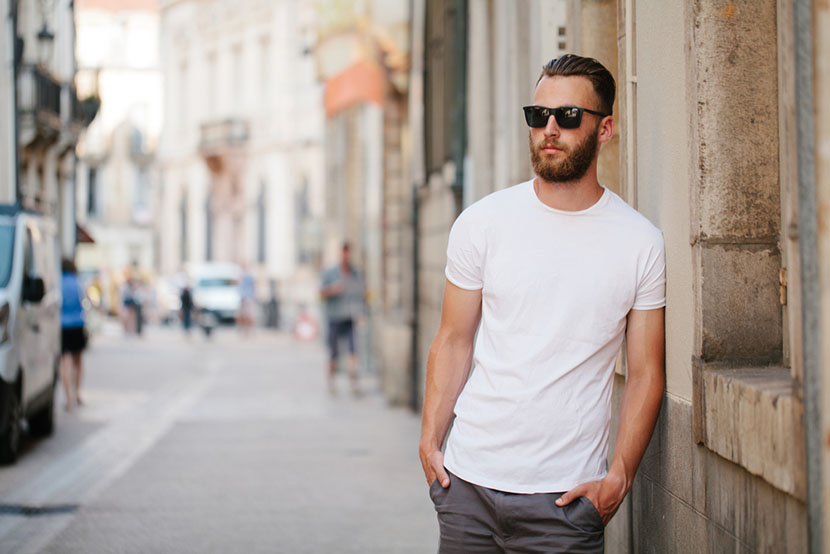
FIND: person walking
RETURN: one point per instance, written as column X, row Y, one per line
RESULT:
column 186, row 300
column 553, row 273
column 73, row 334
column 247, row 301
column 344, row 295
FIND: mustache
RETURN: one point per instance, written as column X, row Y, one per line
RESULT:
column 549, row 144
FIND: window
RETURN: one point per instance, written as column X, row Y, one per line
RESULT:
column 260, row 227
column 208, row 230
column 211, row 85
column 237, row 85
column 92, row 192
column 142, row 190
column 183, row 229
column 7, row 247
column 264, row 70
column 183, row 100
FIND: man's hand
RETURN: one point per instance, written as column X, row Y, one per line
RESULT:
column 433, row 463
column 606, row 495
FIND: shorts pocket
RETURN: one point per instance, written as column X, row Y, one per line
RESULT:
column 592, row 512
column 437, row 493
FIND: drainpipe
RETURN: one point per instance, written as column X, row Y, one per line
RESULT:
column 417, row 12
column 13, row 61
column 811, row 333
column 415, row 373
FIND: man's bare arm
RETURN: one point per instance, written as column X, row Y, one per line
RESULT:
column 645, row 346
column 448, row 366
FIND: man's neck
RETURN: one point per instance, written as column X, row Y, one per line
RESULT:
column 571, row 196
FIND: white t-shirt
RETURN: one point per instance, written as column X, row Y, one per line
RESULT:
column 556, row 288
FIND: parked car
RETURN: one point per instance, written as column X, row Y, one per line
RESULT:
column 216, row 291
column 30, row 325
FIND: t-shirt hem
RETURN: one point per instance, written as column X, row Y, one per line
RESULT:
column 459, row 284
column 654, row 306
column 538, row 488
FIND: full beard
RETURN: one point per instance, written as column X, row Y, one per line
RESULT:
column 572, row 168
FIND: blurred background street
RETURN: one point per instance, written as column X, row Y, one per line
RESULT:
column 224, row 445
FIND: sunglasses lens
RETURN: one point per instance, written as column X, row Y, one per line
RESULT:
column 536, row 116
column 568, row 118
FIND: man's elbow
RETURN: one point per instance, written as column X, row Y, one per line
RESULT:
column 650, row 376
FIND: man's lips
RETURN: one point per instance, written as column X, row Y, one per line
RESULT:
column 550, row 148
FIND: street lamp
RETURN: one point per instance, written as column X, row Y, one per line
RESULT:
column 45, row 37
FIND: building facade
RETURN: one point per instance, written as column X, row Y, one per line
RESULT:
column 42, row 114
column 239, row 155
column 720, row 119
column 362, row 58
column 118, row 63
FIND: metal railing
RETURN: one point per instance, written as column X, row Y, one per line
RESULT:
column 39, row 91
column 217, row 135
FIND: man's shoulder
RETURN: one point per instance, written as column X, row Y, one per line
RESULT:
column 635, row 222
column 330, row 273
column 497, row 201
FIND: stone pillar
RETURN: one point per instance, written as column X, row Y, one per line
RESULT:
column 735, row 183
column 594, row 34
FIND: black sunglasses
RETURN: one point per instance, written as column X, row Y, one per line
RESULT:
column 567, row 117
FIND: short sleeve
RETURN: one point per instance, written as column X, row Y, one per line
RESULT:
column 651, row 289
column 329, row 276
column 465, row 253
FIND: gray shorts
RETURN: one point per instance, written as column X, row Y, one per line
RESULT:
column 478, row 520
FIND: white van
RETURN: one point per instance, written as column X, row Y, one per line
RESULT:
column 216, row 289
column 30, row 325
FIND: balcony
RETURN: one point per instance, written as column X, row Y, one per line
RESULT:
column 219, row 136
column 39, row 102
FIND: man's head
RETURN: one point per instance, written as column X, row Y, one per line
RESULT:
column 346, row 254
column 571, row 65
column 570, row 116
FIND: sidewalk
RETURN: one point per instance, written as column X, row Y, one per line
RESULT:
column 245, row 451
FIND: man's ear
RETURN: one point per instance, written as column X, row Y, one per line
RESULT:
column 606, row 129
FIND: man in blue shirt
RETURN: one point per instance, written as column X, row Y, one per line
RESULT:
column 344, row 295
column 73, row 334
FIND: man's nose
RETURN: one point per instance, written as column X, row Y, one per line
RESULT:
column 551, row 129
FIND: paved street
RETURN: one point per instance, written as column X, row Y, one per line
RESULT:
column 227, row 445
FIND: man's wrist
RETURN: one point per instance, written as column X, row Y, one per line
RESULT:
column 617, row 479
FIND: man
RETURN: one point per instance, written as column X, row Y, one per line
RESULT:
column 343, row 291
column 247, row 301
column 556, row 270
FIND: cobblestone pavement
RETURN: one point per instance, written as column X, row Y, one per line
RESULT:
column 227, row 445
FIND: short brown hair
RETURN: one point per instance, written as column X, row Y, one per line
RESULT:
column 571, row 65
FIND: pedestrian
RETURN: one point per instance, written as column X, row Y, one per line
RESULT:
column 247, row 301
column 344, row 295
column 557, row 271
column 186, row 300
column 73, row 334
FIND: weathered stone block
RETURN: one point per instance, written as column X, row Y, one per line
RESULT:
column 737, row 118
column 742, row 319
column 752, row 418
column 730, row 510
